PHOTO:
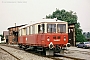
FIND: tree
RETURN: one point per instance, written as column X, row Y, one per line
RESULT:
column 70, row 17
column 2, row 37
column 88, row 35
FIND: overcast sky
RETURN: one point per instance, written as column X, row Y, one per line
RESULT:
column 25, row 11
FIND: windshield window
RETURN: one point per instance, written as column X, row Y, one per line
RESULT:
column 61, row 28
column 87, row 42
column 51, row 28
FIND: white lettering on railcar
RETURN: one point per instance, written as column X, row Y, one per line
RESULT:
column 56, row 39
column 26, row 38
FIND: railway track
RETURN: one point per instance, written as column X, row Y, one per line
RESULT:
column 10, row 54
column 55, row 57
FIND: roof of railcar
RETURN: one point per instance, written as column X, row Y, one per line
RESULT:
column 49, row 20
column 42, row 21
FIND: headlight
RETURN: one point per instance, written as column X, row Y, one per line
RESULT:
column 48, row 39
column 64, row 38
column 51, row 45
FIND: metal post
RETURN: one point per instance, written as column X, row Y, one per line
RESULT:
column 15, row 26
column 74, row 36
column 15, row 31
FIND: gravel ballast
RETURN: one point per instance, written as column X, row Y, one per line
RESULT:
column 5, row 56
column 22, row 55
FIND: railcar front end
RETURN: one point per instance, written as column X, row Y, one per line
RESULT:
column 49, row 36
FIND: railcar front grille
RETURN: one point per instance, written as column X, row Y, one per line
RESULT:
column 58, row 37
column 54, row 37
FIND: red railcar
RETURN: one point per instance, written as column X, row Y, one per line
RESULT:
column 47, row 35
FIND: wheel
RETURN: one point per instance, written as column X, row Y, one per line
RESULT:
column 24, row 48
column 84, row 47
column 77, row 46
column 20, row 46
column 68, row 45
column 48, row 52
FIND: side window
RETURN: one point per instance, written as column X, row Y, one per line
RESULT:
column 81, row 43
column 24, row 31
column 38, row 28
column 51, row 28
column 20, row 32
column 61, row 28
column 41, row 28
column 54, row 28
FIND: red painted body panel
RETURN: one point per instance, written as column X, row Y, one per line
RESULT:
column 57, row 41
column 41, row 39
column 22, row 39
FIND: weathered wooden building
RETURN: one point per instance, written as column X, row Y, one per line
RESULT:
column 13, row 34
column 71, row 34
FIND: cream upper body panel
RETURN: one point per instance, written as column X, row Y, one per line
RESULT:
column 32, row 28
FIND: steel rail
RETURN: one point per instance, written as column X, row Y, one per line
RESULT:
column 10, row 54
column 54, row 57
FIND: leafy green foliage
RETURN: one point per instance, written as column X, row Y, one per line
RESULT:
column 2, row 37
column 69, row 17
